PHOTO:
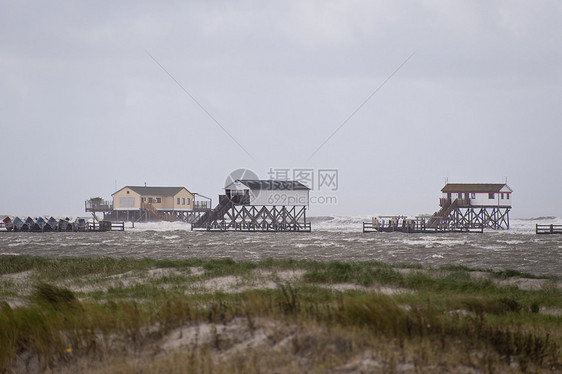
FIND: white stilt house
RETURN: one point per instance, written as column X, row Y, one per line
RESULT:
column 259, row 205
column 268, row 192
column 481, row 195
column 465, row 206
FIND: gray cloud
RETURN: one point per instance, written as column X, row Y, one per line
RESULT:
column 82, row 106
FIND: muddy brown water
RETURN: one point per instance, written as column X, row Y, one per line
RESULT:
column 333, row 238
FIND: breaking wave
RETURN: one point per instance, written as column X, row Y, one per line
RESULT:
column 332, row 238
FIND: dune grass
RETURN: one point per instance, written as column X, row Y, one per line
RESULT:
column 438, row 320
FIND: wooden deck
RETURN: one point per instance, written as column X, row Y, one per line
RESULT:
column 414, row 225
column 549, row 229
column 263, row 227
column 231, row 215
column 106, row 226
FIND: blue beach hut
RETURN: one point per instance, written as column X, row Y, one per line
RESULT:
column 39, row 224
column 51, row 225
column 81, row 224
column 27, row 224
column 17, row 223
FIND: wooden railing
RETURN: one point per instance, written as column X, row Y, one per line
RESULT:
column 259, row 227
column 98, row 206
column 106, row 226
column 416, row 225
column 202, row 205
column 549, row 229
column 224, row 205
column 460, row 202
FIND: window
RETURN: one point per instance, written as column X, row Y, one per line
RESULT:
column 491, row 196
column 127, row 202
column 183, row 201
column 459, row 195
column 473, row 196
column 158, row 200
column 188, row 201
column 178, row 202
column 143, row 199
column 507, row 196
column 502, row 195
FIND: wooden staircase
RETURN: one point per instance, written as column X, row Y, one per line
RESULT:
column 446, row 208
column 225, row 203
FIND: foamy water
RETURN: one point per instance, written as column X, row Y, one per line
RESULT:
column 332, row 238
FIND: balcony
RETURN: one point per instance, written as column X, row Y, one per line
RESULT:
column 459, row 202
column 98, row 205
column 201, row 206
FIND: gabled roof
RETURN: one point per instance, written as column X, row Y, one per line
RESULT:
column 154, row 191
column 273, row 185
column 475, row 187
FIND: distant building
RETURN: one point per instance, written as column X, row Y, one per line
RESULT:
column 259, row 205
column 268, row 192
column 153, row 198
column 142, row 203
column 478, row 194
column 465, row 206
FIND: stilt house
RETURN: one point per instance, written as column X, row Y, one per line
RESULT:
column 481, row 195
column 134, row 203
column 268, row 192
column 465, row 206
column 259, row 205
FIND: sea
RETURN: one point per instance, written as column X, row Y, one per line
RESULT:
column 332, row 238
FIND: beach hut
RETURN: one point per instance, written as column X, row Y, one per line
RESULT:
column 65, row 224
column 51, row 225
column 17, row 224
column 38, row 225
column 26, row 226
column 8, row 224
column 80, row 224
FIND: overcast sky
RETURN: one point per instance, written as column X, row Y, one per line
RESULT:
column 465, row 90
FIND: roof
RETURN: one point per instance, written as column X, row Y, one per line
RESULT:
column 273, row 185
column 475, row 187
column 154, row 191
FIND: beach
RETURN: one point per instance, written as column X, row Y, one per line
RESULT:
column 163, row 298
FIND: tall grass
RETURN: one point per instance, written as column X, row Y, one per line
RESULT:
column 363, row 273
column 442, row 313
column 56, row 323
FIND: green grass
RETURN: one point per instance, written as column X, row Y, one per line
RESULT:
column 438, row 317
column 363, row 273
